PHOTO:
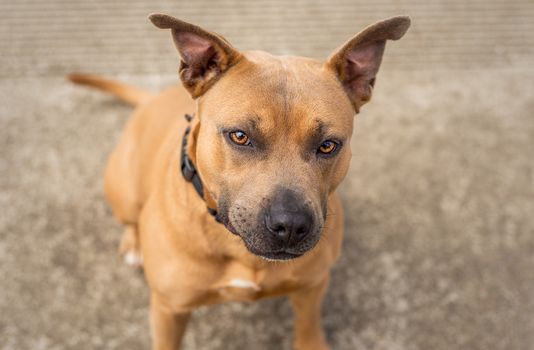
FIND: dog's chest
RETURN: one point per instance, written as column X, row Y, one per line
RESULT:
column 241, row 283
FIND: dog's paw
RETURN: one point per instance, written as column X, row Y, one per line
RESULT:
column 133, row 258
column 129, row 248
column 315, row 346
column 317, row 343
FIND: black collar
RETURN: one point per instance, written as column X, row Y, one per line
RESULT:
column 190, row 172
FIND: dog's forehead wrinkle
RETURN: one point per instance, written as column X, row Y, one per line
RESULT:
column 253, row 123
column 285, row 92
column 320, row 129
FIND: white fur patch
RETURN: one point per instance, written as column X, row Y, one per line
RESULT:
column 132, row 258
column 241, row 283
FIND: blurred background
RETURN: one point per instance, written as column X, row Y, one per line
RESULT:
column 439, row 200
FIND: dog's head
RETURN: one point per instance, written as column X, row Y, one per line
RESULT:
column 273, row 141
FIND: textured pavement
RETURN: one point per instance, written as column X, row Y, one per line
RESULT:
column 439, row 249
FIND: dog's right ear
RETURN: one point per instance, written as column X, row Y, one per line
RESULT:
column 205, row 55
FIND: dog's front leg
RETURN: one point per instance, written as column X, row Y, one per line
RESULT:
column 306, row 304
column 167, row 327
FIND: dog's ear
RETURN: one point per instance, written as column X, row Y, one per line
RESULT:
column 356, row 63
column 205, row 55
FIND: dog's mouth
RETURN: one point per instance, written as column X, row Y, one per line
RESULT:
column 223, row 219
column 279, row 255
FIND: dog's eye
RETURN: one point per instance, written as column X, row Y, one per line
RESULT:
column 328, row 147
column 239, row 138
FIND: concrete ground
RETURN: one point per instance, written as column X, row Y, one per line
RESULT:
column 439, row 248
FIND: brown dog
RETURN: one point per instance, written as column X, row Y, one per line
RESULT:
column 252, row 182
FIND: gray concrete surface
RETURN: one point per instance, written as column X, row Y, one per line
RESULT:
column 439, row 249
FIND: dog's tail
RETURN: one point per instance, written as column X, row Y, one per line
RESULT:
column 127, row 93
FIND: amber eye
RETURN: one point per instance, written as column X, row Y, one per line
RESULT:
column 328, row 147
column 239, row 138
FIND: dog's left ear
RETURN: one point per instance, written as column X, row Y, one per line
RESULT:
column 357, row 62
column 205, row 55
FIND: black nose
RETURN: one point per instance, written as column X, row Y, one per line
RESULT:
column 288, row 219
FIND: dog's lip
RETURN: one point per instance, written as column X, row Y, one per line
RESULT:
column 282, row 255
column 229, row 225
column 274, row 255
